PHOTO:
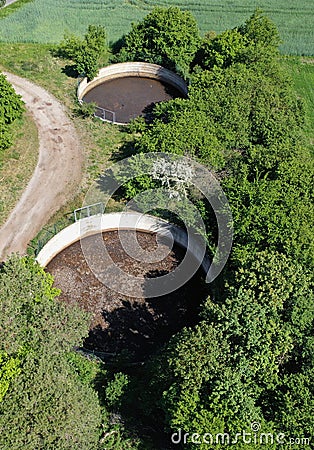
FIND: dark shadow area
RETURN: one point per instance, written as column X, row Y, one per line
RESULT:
column 141, row 328
column 148, row 113
column 123, row 326
column 126, row 150
column 116, row 46
column 70, row 71
column 109, row 184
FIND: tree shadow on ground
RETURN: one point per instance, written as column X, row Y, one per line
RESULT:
column 126, row 150
column 142, row 326
column 70, row 71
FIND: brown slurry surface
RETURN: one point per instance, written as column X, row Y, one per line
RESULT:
column 57, row 174
column 120, row 322
column 130, row 97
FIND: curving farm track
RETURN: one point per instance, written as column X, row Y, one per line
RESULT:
column 57, row 174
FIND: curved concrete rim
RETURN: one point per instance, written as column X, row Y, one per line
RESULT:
column 112, row 221
column 132, row 69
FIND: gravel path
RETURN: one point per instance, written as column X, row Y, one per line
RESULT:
column 56, row 176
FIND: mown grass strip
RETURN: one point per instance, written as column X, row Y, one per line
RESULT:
column 17, row 164
column 9, row 9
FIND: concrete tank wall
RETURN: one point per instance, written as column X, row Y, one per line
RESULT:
column 133, row 69
column 119, row 221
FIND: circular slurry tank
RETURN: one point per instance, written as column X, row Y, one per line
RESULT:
column 123, row 324
column 130, row 97
column 128, row 90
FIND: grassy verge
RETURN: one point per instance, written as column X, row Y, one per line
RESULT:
column 7, row 10
column 36, row 63
column 301, row 70
column 17, row 164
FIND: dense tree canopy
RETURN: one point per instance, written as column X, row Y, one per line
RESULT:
column 166, row 36
column 247, row 350
column 245, row 120
column 43, row 404
column 252, row 352
column 251, row 356
column 87, row 52
column 254, row 42
column 228, row 111
column 48, row 395
column 47, row 407
column 30, row 318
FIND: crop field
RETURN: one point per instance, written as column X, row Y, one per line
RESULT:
column 302, row 74
column 45, row 21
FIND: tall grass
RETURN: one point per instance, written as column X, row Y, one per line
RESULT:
column 17, row 164
column 45, row 21
column 301, row 71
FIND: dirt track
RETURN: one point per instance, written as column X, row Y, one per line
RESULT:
column 57, row 174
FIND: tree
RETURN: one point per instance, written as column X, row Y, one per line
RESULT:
column 87, row 53
column 94, row 48
column 96, row 39
column 166, row 36
column 11, row 108
column 11, row 105
column 31, row 319
column 44, row 404
column 51, row 398
column 262, row 37
column 273, row 208
column 47, row 407
column 255, row 42
column 6, row 138
column 222, row 50
column 219, row 376
column 230, row 112
column 9, row 369
column 87, row 63
column 181, row 128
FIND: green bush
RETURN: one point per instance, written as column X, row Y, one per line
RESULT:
column 243, row 362
column 45, row 404
column 11, row 108
column 257, row 40
column 166, row 36
column 87, row 52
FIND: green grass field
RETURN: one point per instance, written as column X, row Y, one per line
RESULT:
column 302, row 73
column 45, row 21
